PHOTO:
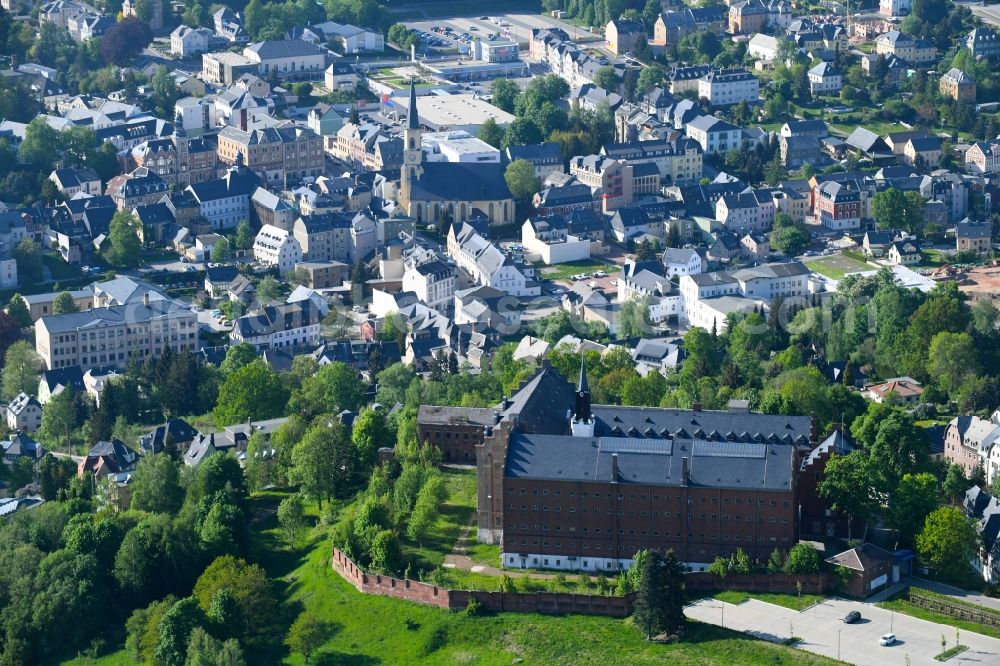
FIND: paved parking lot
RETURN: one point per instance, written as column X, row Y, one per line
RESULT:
column 823, row 632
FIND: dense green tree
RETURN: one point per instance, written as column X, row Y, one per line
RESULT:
column 124, row 40
column 123, row 240
column 251, row 590
column 426, row 508
column 292, row 518
column 504, row 92
column 175, row 631
column 156, row 485
column 307, row 634
column 253, row 392
column 607, row 78
column 221, row 253
column 61, row 417
column 21, row 370
column 803, row 559
column 335, row 387
column 243, row 240
column 947, row 541
column 40, row 146
column 915, row 498
column 847, row 483
column 951, row 357
column 268, row 290
column 206, row 650
column 521, row 179
column 28, row 256
column 369, row 433
column 17, row 308
column 63, row 303
column 323, row 462
column 490, row 132
column 238, row 356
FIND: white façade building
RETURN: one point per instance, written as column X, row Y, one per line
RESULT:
column 714, row 135
column 548, row 237
column 486, row 264
column 277, row 247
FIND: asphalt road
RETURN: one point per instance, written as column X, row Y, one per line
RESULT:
column 988, row 14
column 823, row 632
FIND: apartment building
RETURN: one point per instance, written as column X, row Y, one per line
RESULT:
column 714, row 135
column 677, row 160
column 276, row 247
column 225, row 202
column 276, row 326
column 984, row 157
column 838, row 206
column 324, row 237
column 112, row 336
column 288, row 58
column 432, row 281
column 726, row 87
column 906, row 48
column 280, row 155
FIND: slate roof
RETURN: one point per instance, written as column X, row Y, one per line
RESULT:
column 175, row 431
column 861, row 558
column 655, row 462
column 21, row 444
column 221, row 274
column 284, row 48
column 460, row 181
column 276, row 318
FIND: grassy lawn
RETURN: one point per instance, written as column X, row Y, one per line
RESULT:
column 368, row 630
column 455, row 516
column 60, row 269
column 564, row 271
column 373, row 630
column 484, row 553
column 880, row 127
column 793, row 601
column 901, row 604
column 836, row 266
column 932, row 258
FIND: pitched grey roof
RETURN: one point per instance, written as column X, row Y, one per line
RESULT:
column 284, row 48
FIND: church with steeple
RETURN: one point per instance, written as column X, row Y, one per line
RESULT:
column 440, row 192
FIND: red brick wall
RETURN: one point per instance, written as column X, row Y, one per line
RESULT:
column 560, row 603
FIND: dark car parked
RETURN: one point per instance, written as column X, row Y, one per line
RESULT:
column 852, row 617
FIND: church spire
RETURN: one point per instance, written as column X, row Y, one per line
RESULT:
column 582, row 412
column 412, row 120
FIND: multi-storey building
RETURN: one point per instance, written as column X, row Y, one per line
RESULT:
column 958, row 85
column 288, row 58
column 984, row 42
column 592, row 484
column 112, row 336
column 454, row 430
column 432, row 281
column 895, row 7
column 141, row 186
column 904, row 47
column 614, row 178
column 747, row 211
column 225, row 202
column 678, row 160
column 726, row 87
column 178, row 160
column 280, row 155
column 486, row 264
column 275, row 326
column 714, row 135
column 276, row 247
column 324, row 237
column 225, row 67
column 838, row 206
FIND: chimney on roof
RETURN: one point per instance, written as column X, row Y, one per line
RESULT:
column 496, row 416
column 696, row 406
column 145, row 299
column 505, row 403
column 614, row 467
column 685, row 471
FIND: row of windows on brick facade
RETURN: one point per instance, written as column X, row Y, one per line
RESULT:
column 655, row 514
column 642, row 497
column 635, row 548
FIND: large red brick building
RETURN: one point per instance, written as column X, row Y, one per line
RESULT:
column 566, row 485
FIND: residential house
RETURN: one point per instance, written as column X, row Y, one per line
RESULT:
column 544, row 157
column 904, row 47
column 641, row 282
column 677, row 160
column 281, row 154
column 904, row 253
column 726, row 87
column 277, row 247
column 186, row 41
column 174, row 435
column 276, row 326
column 20, row 445
column 141, row 186
column 324, row 237
column 756, row 246
column 108, row 458
column 678, row 261
column 798, row 150
column 968, row 443
column 984, row 42
column 984, row 510
column 714, row 135
column 824, row 79
column 486, row 264
column 24, row 413
column 983, row 157
column 340, row 76
column 77, row 180
column 898, row 390
column 958, row 85
column 838, row 206
column 432, row 281
column 971, row 237
column 227, row 282
column 623, row 35
column 225, row 202
column 747, row 17
column 565, row 200
column 749, row 211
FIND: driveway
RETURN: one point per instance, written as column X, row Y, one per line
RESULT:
column 823, row 632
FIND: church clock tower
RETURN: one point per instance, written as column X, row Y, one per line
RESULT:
column 413, row 154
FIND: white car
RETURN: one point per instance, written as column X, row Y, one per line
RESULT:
column 887, row 639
